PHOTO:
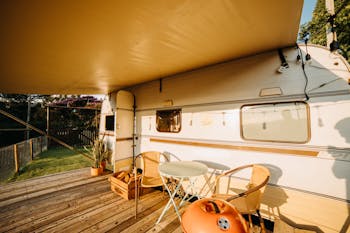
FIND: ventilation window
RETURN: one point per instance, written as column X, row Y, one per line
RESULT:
column 169, row 121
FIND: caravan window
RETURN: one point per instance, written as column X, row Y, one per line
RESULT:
column 169, row 120
column 276, row 122
column 110, row 123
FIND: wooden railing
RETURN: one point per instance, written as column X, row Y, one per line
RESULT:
column 13, row 157
column 75, row 137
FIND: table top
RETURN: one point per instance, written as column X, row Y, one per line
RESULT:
column 213, row 165
column 182, row 169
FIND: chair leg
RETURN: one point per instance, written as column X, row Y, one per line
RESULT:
column 262, row 225
column 136, row 194
column 250, row 221
column 136, row 200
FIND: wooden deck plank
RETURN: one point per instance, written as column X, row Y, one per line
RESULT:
column 121, row 215
column 148, row 221
column 177, row 230
column 79, row 208
column 64, row 218
column 33, row 215
column 80, row 173
column 42, row 207
column 169, row 223
column 85, row 205
column 125, row 219
column 29, row 194
column 56, row 197
column 92, row 216
column 51, row 215
column 54, row 180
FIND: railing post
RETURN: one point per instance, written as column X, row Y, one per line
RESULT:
column 31, row 149
column 15, row 154
column 41, row 144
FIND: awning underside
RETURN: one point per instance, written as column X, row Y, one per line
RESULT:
column 94, row 47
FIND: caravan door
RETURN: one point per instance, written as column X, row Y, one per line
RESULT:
column 124, row 130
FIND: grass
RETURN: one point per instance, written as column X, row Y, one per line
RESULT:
column 52, row 161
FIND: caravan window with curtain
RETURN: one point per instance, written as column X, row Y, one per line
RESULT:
column 276, row 122
column 169, row 121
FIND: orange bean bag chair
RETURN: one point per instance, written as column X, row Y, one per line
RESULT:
column 210, row 215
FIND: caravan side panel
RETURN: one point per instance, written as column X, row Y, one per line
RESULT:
column 211, row 100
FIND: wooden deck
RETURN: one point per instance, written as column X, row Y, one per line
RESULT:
column 76, row 202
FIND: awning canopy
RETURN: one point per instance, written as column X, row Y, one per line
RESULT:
column 94, row 47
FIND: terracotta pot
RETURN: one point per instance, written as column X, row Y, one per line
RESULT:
column 96, row 171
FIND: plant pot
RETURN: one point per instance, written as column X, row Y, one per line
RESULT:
column 96, row 171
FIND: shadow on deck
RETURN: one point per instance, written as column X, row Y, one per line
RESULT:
column 76, row 202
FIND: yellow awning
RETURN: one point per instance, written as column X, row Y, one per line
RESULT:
column 92, row 46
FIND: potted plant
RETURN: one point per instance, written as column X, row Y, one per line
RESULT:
column 99, row 152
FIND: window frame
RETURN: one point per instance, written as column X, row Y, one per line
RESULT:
column 179, row 111
column 110, row 116
column 308, row 123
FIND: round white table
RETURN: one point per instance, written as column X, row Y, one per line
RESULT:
column 180, row 170
column 213, row 168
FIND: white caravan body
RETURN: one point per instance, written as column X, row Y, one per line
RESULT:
column 252, row 110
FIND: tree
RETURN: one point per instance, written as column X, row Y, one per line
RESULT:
column 12, row 132
column 318, row 25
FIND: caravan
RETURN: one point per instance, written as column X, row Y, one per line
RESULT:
column 292, row 118
column 218, row 81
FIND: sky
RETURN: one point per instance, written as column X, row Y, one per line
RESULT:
column 309, row 6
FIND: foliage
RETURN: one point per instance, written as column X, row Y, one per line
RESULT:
column 318, row 25
column 61, row 118
column 98, row 151
column 65, row 112
column 17, row 105
column 77, row 101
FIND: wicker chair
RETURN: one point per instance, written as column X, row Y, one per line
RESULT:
column 248, row 201
column 150, row 175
